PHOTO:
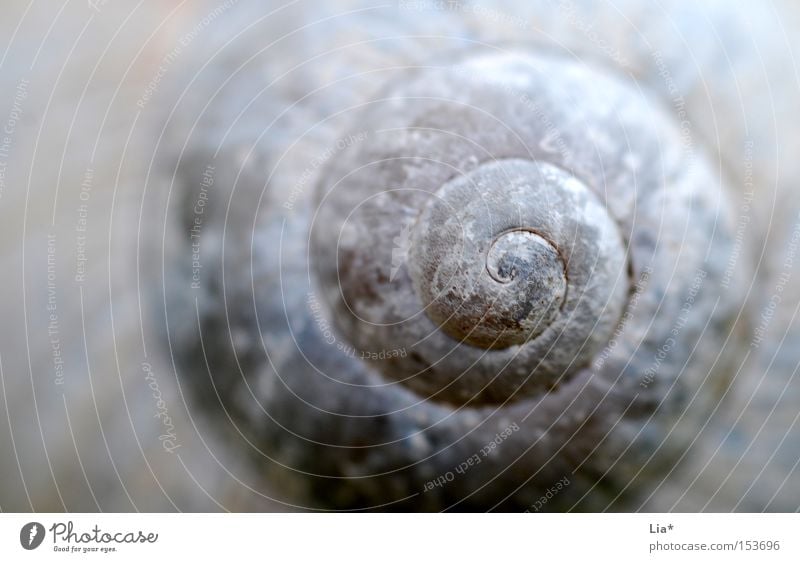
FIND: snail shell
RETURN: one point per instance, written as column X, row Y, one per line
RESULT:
column 515, row 273
column 494, row 274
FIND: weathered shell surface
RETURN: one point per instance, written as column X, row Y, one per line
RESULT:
column 458, row 154
column 263, row 98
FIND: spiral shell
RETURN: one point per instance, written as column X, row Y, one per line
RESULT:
column 492, row 275
column 515, row 275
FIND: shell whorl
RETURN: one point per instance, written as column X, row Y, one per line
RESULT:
column 513, row 241
column 526, row 226
column 483, row 230
column 504, row 264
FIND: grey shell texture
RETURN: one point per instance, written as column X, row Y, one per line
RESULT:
column 505, row 269
column 399, row 255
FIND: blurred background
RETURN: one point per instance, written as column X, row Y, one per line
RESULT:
column 98, row 102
